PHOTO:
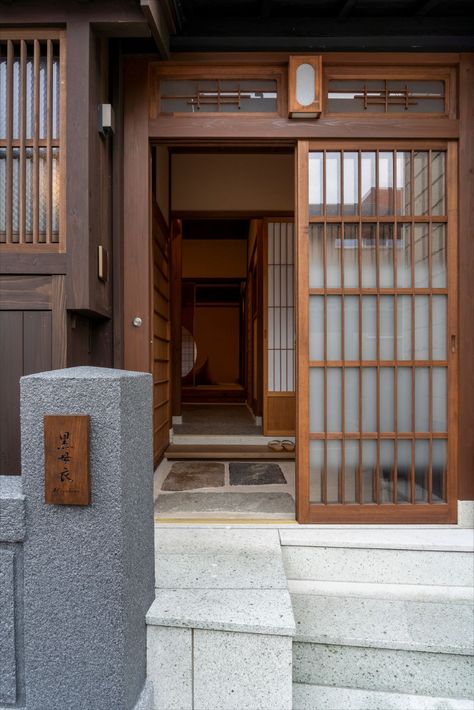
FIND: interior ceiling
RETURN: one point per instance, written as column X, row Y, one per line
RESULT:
column 216, row 228
column 299, row 25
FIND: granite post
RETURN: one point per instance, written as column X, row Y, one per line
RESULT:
column 89, row 571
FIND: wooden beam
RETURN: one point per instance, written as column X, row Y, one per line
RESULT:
column 426, row 7
column 160, row 20
column 345, row 8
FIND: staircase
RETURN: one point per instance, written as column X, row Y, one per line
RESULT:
column 352, row 618
column 384, row 618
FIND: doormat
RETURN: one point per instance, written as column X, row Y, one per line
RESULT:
column 255, row 474
column 188, row 475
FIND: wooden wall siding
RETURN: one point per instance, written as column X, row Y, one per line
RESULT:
column 161, row 348
column 279, row 330
column 32, row 132
column 382, row 451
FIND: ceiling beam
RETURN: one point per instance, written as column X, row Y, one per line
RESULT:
column 161, row 21
column 426, row 7
column 345, row 8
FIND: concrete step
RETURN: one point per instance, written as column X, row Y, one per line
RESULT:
column 317, row 697
column 387, row 556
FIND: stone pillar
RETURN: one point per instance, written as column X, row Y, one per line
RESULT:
column 89, row 571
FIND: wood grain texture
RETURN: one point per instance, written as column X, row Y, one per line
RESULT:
column 25, row 292
column 66, row 459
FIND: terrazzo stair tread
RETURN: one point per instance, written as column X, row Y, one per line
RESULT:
column 317, row 697
column 451, row 540
column 389, row 670
column 206, row 540
column 254, row 611
column 414, row 592
column 224, row 452
column 385, row 566
column 432, row 627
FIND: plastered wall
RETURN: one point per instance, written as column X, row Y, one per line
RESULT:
column 213, row 258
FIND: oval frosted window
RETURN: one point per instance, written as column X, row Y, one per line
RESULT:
column 305, row 83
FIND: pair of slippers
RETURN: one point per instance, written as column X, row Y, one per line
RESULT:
column 285, row 445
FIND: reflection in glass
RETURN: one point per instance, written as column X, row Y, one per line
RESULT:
column 351, row 184
column 316, row 256
column 420, row 167
column 333, row 183
column 351, row 465
column 439, row 317
column 385, row 192
column 333, row 255
column 404, row 392
column 350, row 255
column 351, row 399
column 316, row 463
column 369, row 328
column 403, row 471
column 422, row 391
column 385, row 255
column 386, row 327
column 421, row 256
column 439, row 467
column 422, row 327
column 368, row 186
column 404, row 328
column 316, row 400
column 422, row 467
column 440, row 399
column 438, row 256
column 403, row 193
column 334, row 463
column 369, row 271
column 316, row 327
column 351, row 328
column 387, row 399
column 334, row 381
column 438, row 182
column 387, row 461
column 369, row 399
column 315, row 183
column 368, row 469
column 334, row 323
column 403, row 255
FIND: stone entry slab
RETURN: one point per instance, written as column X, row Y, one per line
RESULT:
column 270, row 502
column 189, row 475
column 255, row 474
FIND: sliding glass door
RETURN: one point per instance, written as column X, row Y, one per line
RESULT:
column 376, row 332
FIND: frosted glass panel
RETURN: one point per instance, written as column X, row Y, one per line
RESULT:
column 316, row 328
column 316, row 256
column 369, row 328
column 386, row 320
column 420, row 166
column 305, row 84
column 386, row 255
column 351, row 465
column 316, row 457
column 334, row 464
column 385, row 194
column 439, row 467
column 369, row 263
column 403, row 255
column 351, row 255
column 387, row 399
column 440, row 399
column 422, row 384
column 404, row 465
column 404, row 344
column 334, row 339
column 334, row 379
column 404, row 394
column 351, row 184
column 369, row 466
column 351, row 327
column 422, row 328
column 421, row 256
column 387, row 461
column 422, row 465
column 438, row 183
column 333, row 255
column 351, row 399
column 439, row 325
column 438, row 256
column 403, row 193
column 369, row 399
column 333, row 183
column 315, row 183
column 316, row 400
column 368, row 185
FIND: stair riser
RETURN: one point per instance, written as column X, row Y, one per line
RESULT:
column 379, row 566
column 436, row 674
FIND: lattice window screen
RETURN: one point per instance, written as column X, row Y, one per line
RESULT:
column 280, row 308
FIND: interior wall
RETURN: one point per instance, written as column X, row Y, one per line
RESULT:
column 162, row 190
column 232, row 182
column 220, row 355
column 214, row 258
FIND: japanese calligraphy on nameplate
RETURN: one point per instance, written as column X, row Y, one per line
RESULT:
column 66, row 459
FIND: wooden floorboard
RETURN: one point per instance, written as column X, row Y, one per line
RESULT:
column 177, row 451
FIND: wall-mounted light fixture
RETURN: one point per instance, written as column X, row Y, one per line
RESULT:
column 106, row 119
column 304, row 86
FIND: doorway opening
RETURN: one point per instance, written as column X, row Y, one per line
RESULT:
column 225, row 420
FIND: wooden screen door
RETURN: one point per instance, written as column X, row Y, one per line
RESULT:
column 377, row 328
